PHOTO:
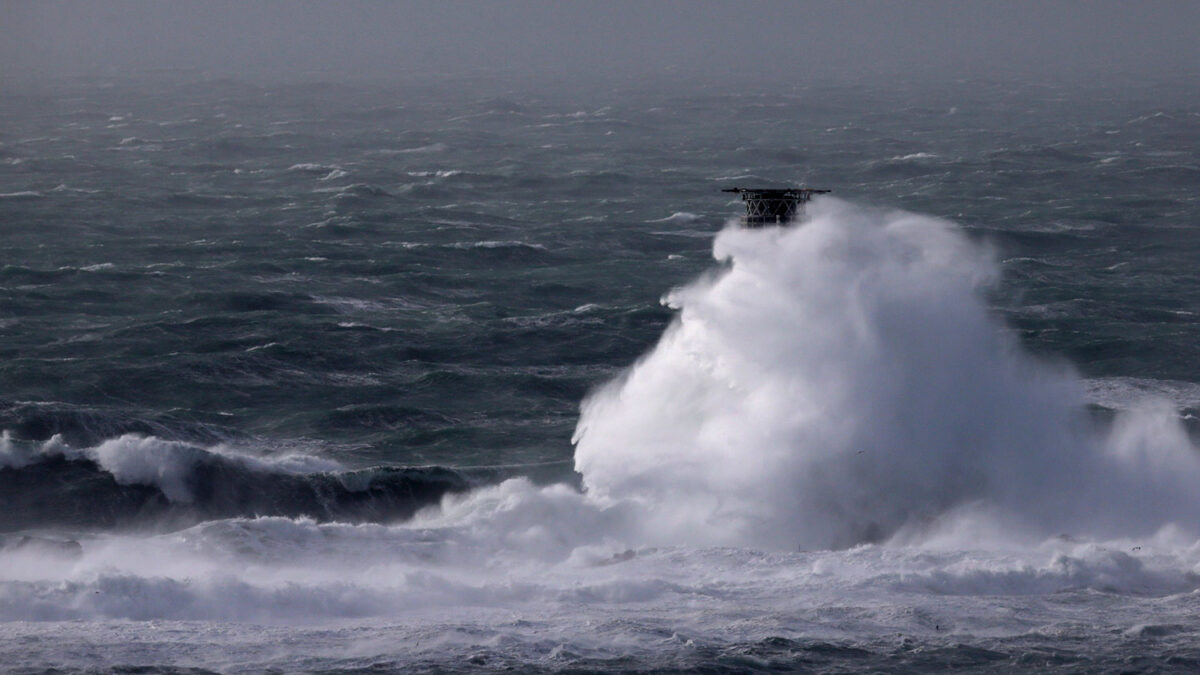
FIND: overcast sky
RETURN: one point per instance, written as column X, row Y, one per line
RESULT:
column 795, row 40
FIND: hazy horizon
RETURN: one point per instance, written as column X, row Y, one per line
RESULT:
column 718, row 41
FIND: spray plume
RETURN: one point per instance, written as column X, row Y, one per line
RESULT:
column 844, row 382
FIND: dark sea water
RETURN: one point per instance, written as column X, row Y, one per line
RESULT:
column 290, row 376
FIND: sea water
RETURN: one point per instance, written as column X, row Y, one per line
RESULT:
column 450, row 376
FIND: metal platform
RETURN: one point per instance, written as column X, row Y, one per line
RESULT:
column 773, row 206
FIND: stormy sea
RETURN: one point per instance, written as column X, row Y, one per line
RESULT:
column 460, row 374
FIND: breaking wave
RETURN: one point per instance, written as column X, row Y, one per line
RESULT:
column 144, row 481
column 838, row 383
column 844, row 382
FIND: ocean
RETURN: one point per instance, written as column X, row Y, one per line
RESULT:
column 469, row 374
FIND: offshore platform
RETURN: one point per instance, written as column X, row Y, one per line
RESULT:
column 773, row 206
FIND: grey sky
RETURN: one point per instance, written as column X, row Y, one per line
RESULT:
column 794, row 40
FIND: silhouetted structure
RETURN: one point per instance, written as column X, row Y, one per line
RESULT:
column 773, row 206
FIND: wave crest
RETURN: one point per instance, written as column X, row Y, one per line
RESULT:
column 136, row 480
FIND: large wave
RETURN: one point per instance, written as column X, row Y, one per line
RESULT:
column 833, row 384
column 844, row 382
column 136, row 481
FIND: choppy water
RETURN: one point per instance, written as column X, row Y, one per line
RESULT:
column 291, row 377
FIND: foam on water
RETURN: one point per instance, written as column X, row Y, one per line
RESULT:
column 1123, row 392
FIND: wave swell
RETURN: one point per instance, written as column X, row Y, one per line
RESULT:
column 146, row 482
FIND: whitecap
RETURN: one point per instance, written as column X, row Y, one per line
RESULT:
column 334, row 175
column 678, row 217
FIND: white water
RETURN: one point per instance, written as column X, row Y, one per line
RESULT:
column 133, row 459
column 844, row 382
column 838, row 388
